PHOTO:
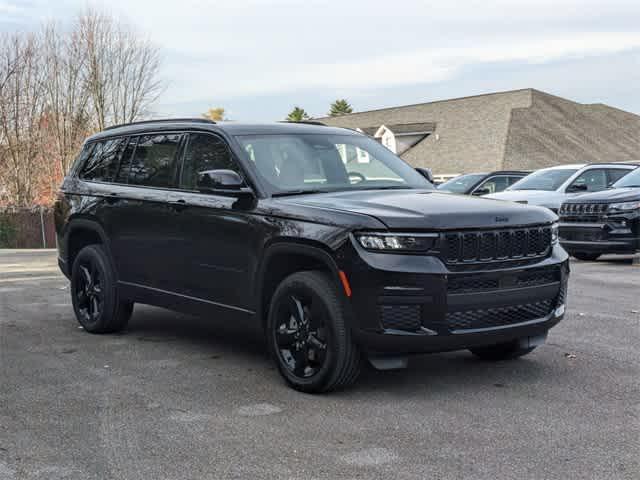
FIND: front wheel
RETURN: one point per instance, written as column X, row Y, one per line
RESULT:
column 586, row 257
column 502, row 351
column 308, row 335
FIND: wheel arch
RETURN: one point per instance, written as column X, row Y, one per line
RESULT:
column 80, row 233
column 283, row 258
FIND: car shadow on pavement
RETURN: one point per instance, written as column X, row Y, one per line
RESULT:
column 241, row 341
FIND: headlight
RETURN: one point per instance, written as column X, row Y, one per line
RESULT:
column 554, row 234
column 398, row 242
column 625, row 206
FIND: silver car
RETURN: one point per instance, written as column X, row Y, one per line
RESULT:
column 550, row 187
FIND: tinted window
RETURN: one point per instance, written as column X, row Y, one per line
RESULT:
column 513, row 180
column 125, row 161
column 616, row 174
column 205, row 152
column 102, row 164
column 154, row 160
column 461, row 184
column 594, row 179
column 493, row 185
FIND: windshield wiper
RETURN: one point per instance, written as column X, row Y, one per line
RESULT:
column 299, row 192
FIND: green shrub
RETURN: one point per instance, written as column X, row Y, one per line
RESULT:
column 7, row 232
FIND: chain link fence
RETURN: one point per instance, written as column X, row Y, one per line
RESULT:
column 27, row 228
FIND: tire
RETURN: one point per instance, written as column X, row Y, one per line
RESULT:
column 308, row 336
column 586, row 257
column 94, row 294
column 502, row 351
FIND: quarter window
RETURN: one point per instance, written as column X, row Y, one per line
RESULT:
column 102, row 164
column 205, row 152
column 154, row 160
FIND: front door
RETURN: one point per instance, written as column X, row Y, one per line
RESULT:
column 219, row 238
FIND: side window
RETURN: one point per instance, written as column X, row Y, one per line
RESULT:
column 594, row 180
column 513, row 180
column 102, row 165
column 205, row 152
column 616, row 174
column 154, row 160
column 125, row 161
column 492, row 185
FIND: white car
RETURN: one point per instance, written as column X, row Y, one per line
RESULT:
column 550, row 187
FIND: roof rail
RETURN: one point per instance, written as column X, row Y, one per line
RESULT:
column 308, row 122
column 163, row 120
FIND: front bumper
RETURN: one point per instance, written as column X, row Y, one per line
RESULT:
column 415, row 304
column 611, row 236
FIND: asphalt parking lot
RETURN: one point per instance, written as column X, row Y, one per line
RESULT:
column 177, row 397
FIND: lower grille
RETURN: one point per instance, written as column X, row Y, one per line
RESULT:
column 483, row 282
column 499, row 316
column 400, row 317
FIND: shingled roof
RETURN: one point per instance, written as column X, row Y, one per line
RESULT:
column 520, row 129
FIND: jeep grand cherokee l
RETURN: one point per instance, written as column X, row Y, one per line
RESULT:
column 604, row 222
column 336, row 246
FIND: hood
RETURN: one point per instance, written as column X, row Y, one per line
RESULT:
column 549, row 199
column 427, row 209
column 611, row 195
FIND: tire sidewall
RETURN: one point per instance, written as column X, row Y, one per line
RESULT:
column 335, row 351
column 95, row 254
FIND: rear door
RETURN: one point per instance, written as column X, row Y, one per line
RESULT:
column 615, row 174
column 139, row 225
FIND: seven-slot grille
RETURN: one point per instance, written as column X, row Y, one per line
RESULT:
column 583, row 212
column 497, row 245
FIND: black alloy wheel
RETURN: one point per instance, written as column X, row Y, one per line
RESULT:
column 301, row 334
column 88, row 291
column 308, row 335
column 94, row 293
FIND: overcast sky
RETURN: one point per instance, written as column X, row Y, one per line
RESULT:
column 260, row 58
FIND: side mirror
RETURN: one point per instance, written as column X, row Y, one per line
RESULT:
column 579, row 187
column 222, row 182
column 426, row 173
column 481, row 191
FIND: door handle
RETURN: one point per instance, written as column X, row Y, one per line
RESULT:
column 179, row 205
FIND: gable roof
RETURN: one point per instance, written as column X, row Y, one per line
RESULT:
column 410, row 128
column 519, row 129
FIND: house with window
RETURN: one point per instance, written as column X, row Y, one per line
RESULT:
column 515, row 130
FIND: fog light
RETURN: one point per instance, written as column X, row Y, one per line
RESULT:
column 560, row 311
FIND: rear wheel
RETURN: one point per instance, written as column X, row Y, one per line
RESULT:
column 502, row 351
column 587, row 257
column 94, row 294
column 308, row 336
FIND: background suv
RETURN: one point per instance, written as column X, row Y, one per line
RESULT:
column 333, row 244
column 482, row 183
column 550, row 187
column 604, row 222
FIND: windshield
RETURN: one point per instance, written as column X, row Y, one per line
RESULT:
column 548, row 180
column 629, row 180
column 292, row 164
column 462, row 183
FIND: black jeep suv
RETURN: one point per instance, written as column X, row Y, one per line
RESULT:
column 603, row 222
column 335, row 245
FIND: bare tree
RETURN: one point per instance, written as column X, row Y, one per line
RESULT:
column 121, row 72
column 21, row 108
column 66, row 117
